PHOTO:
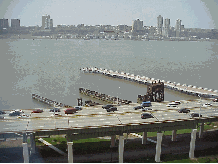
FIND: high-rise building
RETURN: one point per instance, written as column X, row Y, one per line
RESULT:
column 137, row 25
column 178, row 27
column 15, row 23
column 159, row 24
column 47, row 23
column 166, row 27
column 4, row 23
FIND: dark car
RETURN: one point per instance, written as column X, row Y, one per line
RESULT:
column 183, row 110
column 55, row 110
column 37, row 111
column 2, row 112
column 195, row 115
column 107, row 106
column 146, row 115
column 146, row 109
column 70, row 110
column 138, row 107
column 112, row 109
column 78, row 107
column 15, row 113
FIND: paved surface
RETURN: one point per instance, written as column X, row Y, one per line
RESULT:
column 96, row 116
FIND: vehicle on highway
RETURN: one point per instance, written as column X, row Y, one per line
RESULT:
column 15, row 113
column 107, row 106
column 146, row 115
column 171, row 105
column 195, row 115
column 78, row 107
column 178, row 102
column 1, row 117
column 37, row 111
column 2, row 112
column 23, row 116
column 138, row 107
column 56, row 114
column 207, row 105
column 70, row 110
column 215, row 100
column 146, row 109
column 146, row 104
column 183, row 110
column 112, row 109
column 55, row 110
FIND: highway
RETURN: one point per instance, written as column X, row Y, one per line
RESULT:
column 96, row 116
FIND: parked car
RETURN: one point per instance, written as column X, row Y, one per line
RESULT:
column 146, row 115
column 183, row 110
column 55, row 110
column 146, row 109
column 138, row 107
column 14, row 113
column 146, row 104
column 112, row 109
column 171, row 105
column 70, row 110
column 37, row 111
column 2, row 112
column 107, row 106
column 207, row 105
column 195, row 115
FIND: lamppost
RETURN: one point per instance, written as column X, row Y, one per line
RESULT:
column 200, row 106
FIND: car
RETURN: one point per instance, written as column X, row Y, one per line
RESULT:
column 195, row 115
column 112, row 109
column 55, row 110
column 146, row 115
column 70, row 110
column 146, row 104
column 107, row 106
column 2, row 112
column 14, row 113
column 78, row 107
column 215, row 100
column 183, row 110
column 23, row 116
column 207, row 105
column 138, row 107
column 37, row 111
column 171, row 105
column 146, row 109
column 1, row 117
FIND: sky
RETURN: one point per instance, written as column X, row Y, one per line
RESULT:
column 193, row 13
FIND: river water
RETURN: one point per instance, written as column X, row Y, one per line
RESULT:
column 50, row 68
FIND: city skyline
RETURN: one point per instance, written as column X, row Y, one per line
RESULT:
column 194, row 14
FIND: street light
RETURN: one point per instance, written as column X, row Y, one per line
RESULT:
column 200, row 106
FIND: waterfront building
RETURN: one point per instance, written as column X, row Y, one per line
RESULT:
column 159, row 24
column 15, row 23
column 4, row 23
column 166, row 27
column 47, row 23
column 178, row 27
column 137, row 25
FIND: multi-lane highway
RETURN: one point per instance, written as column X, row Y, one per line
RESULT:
column 96, row 116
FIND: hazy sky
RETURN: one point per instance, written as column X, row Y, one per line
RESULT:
column 193, row 13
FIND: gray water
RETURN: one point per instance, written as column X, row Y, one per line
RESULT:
column 50, row 68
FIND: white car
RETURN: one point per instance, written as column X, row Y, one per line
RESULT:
column 207, row 105
column 23, row 116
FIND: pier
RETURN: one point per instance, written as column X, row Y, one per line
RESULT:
column 182, row 88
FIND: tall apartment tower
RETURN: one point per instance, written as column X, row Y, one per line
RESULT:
column 166, row 27
column 178, row 27
column 159, row 24
column 4, row 23
column 137, row 25
column 47, row 23
column 15, row 23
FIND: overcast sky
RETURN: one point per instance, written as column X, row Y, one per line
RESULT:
column 193, row 13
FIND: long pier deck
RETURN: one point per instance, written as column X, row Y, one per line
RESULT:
column 183, row 88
